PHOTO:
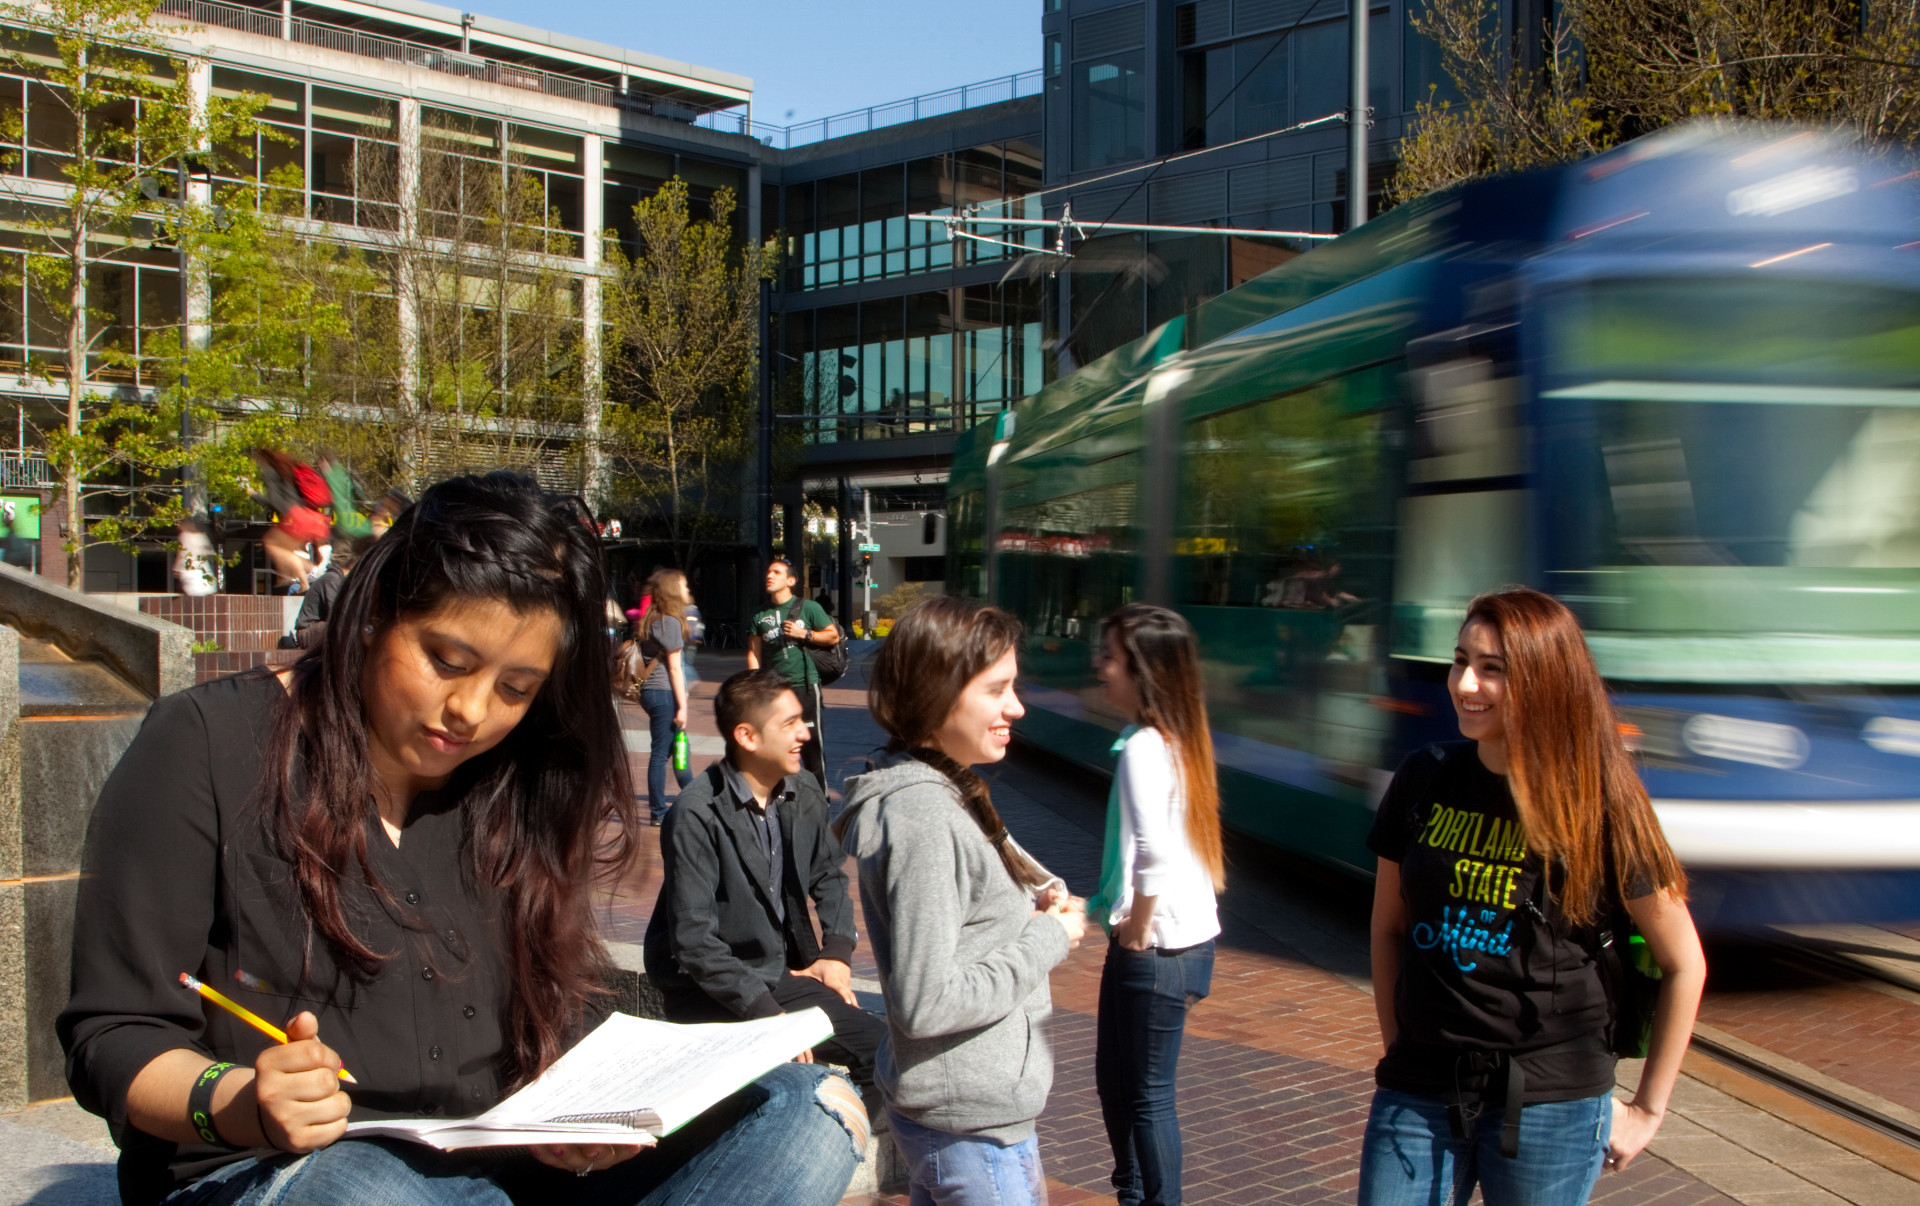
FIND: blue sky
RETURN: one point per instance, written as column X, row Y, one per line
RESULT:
column 813, row 57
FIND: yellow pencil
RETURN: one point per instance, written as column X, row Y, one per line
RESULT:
column 248, row 1016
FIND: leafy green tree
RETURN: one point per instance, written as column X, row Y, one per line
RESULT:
column 119, row 115
column 683, row 320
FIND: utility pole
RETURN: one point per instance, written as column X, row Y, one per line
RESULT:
column 1357, row 119
column 764, row 494
column 866, row 607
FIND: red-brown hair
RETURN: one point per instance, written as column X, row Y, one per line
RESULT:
column 1573, row 779
column 1163, row 659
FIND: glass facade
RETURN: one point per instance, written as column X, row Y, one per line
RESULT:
column 344, row 144
column 1109, row 117
column 1283, row 81
column 933, row 361
column 853, row 227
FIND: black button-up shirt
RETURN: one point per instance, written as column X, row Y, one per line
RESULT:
column 766, row 830
column 179, row 876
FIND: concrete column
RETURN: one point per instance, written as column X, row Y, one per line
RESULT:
column 286, row 20
column 594, row 486
column 411, row 445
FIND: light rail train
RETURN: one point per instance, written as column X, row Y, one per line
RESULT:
column 1677, row 385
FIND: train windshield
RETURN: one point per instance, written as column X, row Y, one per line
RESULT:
column 1732, row 478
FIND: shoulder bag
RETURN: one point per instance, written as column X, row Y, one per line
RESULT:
column 829, row 661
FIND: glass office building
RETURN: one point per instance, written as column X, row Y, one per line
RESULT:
column 887, row 335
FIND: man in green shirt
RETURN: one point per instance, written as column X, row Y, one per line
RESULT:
column 781, row 635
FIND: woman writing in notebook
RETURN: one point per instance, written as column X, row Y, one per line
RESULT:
column 391, row 850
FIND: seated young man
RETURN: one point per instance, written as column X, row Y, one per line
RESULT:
column 745, row 847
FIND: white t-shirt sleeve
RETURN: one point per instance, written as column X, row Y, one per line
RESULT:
column 1150, row 797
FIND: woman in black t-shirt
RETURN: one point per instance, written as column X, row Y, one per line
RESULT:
column 391, row 850
column 1499, row 858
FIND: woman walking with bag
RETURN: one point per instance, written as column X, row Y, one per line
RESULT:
column 1158, row 880
column 1501, row 859
column 965, row 925
column 663, row 685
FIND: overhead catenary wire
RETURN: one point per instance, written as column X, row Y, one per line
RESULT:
column 1067, row 337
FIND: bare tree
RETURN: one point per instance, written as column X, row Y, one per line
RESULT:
column 1614, row 69
column 470, row 352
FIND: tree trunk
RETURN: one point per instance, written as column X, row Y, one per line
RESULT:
column 673, row 498
column 76, row 542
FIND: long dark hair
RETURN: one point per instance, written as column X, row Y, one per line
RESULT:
column 532, row 805
column 1574, row 785
column 1163, row 659
column 931, row 655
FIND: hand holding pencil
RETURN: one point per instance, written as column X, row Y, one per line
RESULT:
column 249, row 1017
column 296, row 1083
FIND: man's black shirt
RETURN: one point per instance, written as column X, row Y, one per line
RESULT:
column 716, row 925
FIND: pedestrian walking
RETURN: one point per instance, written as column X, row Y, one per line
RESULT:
column 663, row 690
column 784, row 636
column 397, row 842
column 965, row 925
column 1159, row 875
column 295, row 492
column 1502, row 859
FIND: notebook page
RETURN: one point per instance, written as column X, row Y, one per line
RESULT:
column 631, row 1063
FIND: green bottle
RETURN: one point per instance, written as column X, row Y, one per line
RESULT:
column 680, row 749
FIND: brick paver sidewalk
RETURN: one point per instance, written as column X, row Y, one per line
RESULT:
column 1278, row 1065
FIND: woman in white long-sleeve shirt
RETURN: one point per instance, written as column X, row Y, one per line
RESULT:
column 1158, row 879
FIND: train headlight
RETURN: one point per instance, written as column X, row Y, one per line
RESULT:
column 1892, row 736
column 1780, row 746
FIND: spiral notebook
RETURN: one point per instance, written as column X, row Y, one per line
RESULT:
column 628, row 1075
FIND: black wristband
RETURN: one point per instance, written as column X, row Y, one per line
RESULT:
column 200, row 1104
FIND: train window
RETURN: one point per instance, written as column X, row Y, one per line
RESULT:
column 1063, row 560
column 966, row 546
column 1282, row 561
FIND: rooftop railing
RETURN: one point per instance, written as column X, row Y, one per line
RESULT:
column 436, row 58
column 893, row 113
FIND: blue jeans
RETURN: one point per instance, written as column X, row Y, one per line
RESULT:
column 1144, row 998
column 944, row 1169
column 725, row 1157
column 1410, row 1157
column 659, row 706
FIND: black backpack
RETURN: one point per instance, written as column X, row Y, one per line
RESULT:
column 829, row 661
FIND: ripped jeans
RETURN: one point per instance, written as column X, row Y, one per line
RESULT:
column 774, row 1143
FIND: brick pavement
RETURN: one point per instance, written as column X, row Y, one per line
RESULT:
column 1277, row 1069
column 1862, row 1036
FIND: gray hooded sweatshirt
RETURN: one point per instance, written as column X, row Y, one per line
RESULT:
column 963, row 958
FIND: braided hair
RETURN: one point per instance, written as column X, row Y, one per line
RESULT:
column 931, row 655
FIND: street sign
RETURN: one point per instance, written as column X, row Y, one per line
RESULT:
column 869, row 548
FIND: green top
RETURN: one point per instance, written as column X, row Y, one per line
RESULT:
column 777, row 652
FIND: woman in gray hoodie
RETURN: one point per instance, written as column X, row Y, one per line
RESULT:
column 964, row 926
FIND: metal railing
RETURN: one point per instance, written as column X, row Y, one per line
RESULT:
column 24, row 469
column 893, row 113
column 514, row 75
column 433, row 58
